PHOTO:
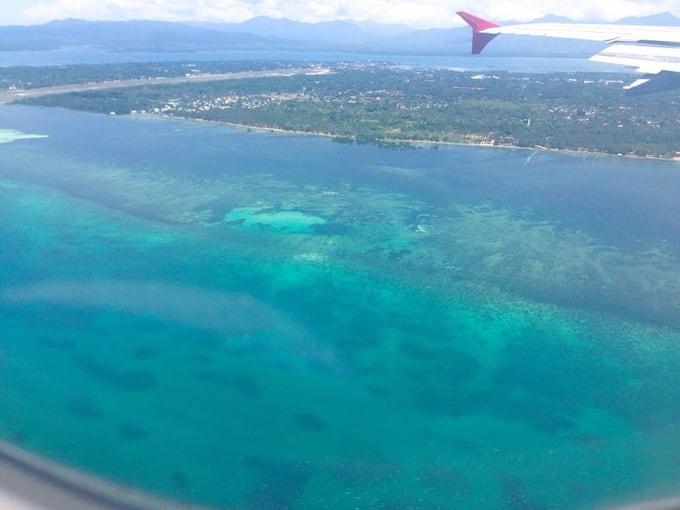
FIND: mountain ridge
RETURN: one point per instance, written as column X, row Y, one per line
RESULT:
column 263, row 33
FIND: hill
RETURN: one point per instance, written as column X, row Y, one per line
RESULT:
column 264, row 33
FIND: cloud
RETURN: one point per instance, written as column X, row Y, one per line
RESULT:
column 423, row 13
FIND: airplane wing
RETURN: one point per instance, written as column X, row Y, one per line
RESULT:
column 651, row 49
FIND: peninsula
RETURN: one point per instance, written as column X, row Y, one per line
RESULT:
column 372, row 102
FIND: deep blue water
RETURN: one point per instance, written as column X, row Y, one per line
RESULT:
column 256, row 320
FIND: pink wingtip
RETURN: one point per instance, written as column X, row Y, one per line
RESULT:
column 479, row 40
column 476, row 22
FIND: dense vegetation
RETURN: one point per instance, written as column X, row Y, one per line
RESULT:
column 379, row 102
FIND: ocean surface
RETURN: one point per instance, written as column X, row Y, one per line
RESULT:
column 463, row 62
column 252, row 320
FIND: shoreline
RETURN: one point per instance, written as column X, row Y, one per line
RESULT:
column 7, row 96
column 31, row 482
column 415, row 143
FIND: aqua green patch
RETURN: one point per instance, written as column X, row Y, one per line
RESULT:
column 280, row 221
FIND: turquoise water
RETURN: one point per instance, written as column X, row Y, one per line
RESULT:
column 262, row 321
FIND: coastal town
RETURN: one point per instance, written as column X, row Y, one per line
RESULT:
column 382, row 103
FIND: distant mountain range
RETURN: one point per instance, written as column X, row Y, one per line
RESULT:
column 264, row 33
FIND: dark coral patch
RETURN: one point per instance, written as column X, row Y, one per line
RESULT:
column 130, row 380
column 437, row 366
column 83, row 408
column 278, row 485
column 450, row 401
column 515, row 493
column 204, row 358
column 17, row 437
column 62, row 344
column 179, row 481
column 132, row 432
column 446, row 478
column 244, row 385
column 146, row 353
column 207, row 342
column 469, row 446
column 309, row 422
column 337, row 229
column 380, row 391
column 361, row 471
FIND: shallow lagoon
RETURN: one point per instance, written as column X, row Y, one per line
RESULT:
column 456, row 327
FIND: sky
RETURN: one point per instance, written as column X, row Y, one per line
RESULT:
column 417, row 13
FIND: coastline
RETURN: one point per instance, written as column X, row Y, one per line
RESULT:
column 31, row 482
column 7, row 96
column 414, row 143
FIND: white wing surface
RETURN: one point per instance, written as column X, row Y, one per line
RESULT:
column 653, row 50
